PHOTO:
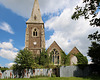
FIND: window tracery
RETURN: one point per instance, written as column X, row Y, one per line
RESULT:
column 35, row 32
column 55, row 56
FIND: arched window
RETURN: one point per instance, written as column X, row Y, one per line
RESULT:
column 55, row 56
column 35, row 32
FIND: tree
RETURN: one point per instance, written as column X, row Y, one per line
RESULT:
column 63, row 58
column 24, row 59
column 44, row 58
column 4, row 68
column 68, row 60
column 94, row 50
column 82, row 60
column 91, row 9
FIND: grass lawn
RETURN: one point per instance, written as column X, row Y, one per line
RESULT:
column 57, row 78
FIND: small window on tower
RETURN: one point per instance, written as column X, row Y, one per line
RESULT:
column 35, row 32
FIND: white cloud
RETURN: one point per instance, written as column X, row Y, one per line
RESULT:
column 90, row 62
column 10, row 64
column 24, row 7
column 69, row 33
column 6, row 27
column 8, row 54
column 20, row 7
column 7, row 50
column 8, row 45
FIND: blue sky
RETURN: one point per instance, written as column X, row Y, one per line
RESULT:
column 18, row 25
column 16, row 22
column 58, row 26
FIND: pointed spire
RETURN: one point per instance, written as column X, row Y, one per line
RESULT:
column 36, row 14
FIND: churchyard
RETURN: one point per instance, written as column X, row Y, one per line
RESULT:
column 34, row 62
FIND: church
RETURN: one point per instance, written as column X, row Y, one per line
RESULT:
column 35, row 38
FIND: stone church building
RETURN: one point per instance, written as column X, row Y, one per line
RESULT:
column 35, row 38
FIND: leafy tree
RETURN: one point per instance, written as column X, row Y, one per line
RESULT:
column 44, row 58
column 68, row 60
column 37, row 60
column 94, row 50
column 24, row 59
column 4, row 68
column 63, row 58
column 36, row 63
column 91, row 9
column 95, row 36
column 81, row 59
column 35, row 66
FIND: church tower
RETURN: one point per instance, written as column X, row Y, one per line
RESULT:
column 35, row 36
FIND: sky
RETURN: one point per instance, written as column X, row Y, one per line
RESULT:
column 59, row 26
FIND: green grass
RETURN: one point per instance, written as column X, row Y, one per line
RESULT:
column 58, row 78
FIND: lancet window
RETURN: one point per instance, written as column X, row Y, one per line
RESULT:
column 35, row 33
column 55, row 56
